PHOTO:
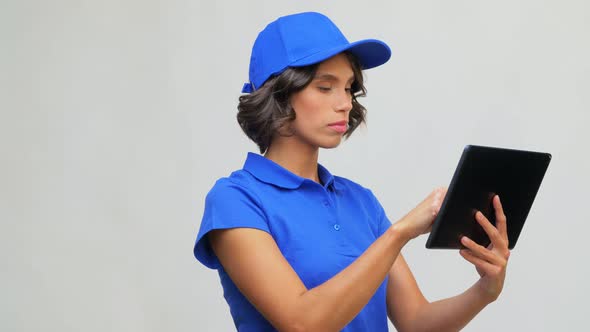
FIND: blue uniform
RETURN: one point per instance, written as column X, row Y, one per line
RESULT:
column 319, row 228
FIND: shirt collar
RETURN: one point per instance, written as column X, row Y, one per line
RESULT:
column 270, row 172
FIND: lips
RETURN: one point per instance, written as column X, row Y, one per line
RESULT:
column 339, row 126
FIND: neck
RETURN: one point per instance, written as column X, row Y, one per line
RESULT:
column 300, row 159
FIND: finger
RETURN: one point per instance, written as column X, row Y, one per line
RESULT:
column 480, row 251
column 443, row 191
column 438, row 197
column 479, row 263
column 500, row 218
column 493, row 233
column 506, row 253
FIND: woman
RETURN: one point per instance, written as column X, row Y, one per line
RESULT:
column 298, row 249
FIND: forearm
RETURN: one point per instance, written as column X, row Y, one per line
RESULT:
column 342, row 297
column 451, row 314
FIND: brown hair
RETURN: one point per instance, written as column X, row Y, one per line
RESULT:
column 265, row 111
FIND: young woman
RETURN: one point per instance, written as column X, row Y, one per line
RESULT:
column 298, row 249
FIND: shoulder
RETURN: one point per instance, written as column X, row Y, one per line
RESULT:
column 238, row 182
column 232, row 202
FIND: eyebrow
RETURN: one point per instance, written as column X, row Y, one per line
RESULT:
column 330, row 77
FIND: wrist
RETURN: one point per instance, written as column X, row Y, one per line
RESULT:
column 485, row 295
column 400, row 231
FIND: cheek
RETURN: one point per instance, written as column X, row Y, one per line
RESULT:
column 307, row 110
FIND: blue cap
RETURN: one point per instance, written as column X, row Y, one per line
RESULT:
column 304, row 39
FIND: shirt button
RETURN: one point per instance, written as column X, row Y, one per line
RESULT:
column 337, row 227
column 326, row 203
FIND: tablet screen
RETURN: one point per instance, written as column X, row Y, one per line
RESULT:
column 482, row 172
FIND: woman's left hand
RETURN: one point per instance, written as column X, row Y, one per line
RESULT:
column 490, row 262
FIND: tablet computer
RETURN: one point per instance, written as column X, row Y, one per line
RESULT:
column 514, row 175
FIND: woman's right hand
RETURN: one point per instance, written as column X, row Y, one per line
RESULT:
column 419, row 221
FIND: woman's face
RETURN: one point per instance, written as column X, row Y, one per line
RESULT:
column 322, row 108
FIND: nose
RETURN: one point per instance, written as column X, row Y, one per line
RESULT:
column 343, row 101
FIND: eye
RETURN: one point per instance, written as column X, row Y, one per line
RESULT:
column 324, row 88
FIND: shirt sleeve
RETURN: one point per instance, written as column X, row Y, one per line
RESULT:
column 383, row 223
column 227, row 205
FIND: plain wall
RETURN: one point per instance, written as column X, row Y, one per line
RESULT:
column 116, row 118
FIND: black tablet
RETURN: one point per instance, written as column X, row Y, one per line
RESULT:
column 514, row 175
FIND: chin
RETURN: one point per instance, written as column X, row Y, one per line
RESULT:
column 331, row 144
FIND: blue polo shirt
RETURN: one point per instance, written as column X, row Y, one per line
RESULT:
column 319, row 228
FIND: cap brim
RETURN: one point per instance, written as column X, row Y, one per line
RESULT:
column 370, row 53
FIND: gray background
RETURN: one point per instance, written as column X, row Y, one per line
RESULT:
column 118, row 116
